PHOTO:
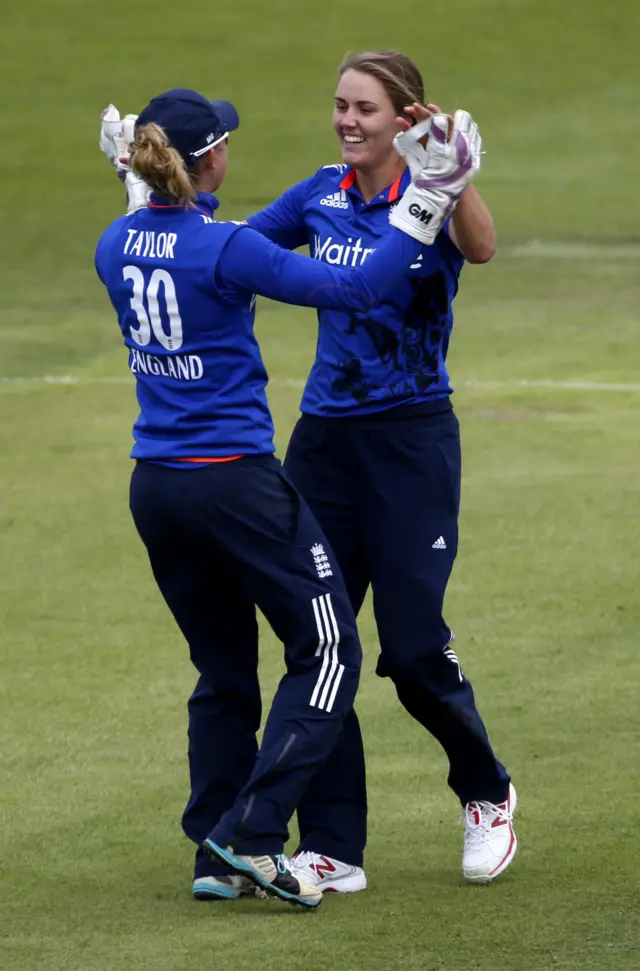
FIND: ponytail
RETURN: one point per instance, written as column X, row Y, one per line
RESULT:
column 160, row 165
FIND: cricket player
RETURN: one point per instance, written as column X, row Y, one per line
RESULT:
column 224, row 528
column 376, row 454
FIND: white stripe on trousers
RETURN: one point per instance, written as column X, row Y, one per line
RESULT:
column 328, row 641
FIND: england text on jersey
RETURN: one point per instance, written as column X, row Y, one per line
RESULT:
column 182, row 367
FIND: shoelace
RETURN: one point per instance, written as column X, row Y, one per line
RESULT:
column 283, row 864
column 487, row 812
column 302, row 860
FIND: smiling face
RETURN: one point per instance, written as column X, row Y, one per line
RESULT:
column 364, row 119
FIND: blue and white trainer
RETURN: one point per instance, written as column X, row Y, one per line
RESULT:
column 222, row 888
column 271, row 873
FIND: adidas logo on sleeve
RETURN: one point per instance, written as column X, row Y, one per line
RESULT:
column 336, row 200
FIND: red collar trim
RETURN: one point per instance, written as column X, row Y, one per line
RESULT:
column 175, row 205
column 171, row 205
column 349, row 180
column 394, row 190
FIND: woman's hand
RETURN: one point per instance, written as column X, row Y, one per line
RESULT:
column 420, row 113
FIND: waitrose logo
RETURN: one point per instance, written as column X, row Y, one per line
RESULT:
column 349, row 253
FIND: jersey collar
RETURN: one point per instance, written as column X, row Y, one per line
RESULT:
column 206, row 202
column 387, row 197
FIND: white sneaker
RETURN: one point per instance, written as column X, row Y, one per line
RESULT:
column 489, row 838
column 222, row 888
column 330, row 875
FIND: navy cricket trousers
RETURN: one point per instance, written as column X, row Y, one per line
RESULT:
column 222, row 539
column 386, row 491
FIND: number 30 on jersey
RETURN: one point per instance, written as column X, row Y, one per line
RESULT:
column 151, row 322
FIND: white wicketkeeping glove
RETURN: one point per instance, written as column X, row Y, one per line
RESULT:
column 439, row 172
column 116, row 134
column 138, row 193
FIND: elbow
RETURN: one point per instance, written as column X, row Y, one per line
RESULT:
column 481, row 252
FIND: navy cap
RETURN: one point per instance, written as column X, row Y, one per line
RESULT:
column 190, row 121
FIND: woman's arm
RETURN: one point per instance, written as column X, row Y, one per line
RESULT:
column 283, row 221
column 252, row 264
column 471, row 228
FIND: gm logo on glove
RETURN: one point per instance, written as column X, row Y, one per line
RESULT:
column 422, row 214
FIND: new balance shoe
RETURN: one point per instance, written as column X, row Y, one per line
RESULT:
column 489, row 838
column 330, row 875
column 272, row 873
column 222, row 888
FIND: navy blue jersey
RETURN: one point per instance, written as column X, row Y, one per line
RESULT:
column 183, row 287
column 396, row 353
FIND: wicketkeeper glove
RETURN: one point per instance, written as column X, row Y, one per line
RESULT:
column 439, row 172
column 116, row 134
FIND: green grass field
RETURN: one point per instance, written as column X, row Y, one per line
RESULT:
column 94, row 870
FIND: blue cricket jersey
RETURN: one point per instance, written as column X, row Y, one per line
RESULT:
column 183, row 287
column 395, row 353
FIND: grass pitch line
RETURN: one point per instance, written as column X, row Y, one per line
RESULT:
column 548, row 250
column 545, row 383
column 54, row 379
column 513, row 384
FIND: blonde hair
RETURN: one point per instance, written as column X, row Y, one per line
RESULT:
column 160, row 165
column 396, row 72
